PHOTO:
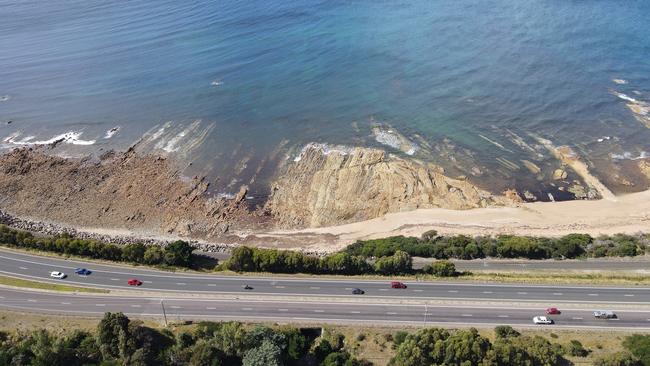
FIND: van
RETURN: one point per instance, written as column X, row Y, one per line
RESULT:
column 396, row 284
column 604, row 314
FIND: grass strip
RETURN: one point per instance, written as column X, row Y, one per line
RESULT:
column 17, row 282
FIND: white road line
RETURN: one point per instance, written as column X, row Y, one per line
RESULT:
column 176, row 307
column 348, row 288
column 391, row 313
column 453, row 291
column 23, row 268
column 32, row 300
column 2, row 297
column 65, row 303
column 283, row 309
column 315, row 288
column 319, row 311
column 115, row 279
column 181, row 283
column 383, row 289
column 279, row 287
column 628, row 295
column 522, row 293
column 466, row 315
column 100, row 304
column 135, row 306
column 557, row 293
column 487, row 292
column 576, row 318
column 502, row 316
column 146, row 282
column 592, row 294
column 247, row 309
column 355, row 312
column 211, row 308
column 212, row 284
column 418, row 290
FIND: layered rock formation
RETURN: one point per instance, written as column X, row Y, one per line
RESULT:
column 119, row 190
column 324, row 187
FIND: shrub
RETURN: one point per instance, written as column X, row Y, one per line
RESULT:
column 505, row 331
column 639, row 346
column 618, row 359
column 575, row 348
column 442, row 269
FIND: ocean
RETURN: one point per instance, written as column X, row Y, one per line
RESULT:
column 237, row 87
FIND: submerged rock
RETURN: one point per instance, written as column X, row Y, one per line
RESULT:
column 559, row 174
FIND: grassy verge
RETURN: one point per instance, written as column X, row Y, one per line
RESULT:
column 17, row 282
column 580, row 278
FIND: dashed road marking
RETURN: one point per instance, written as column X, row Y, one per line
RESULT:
column 32, row 300
column 100, row 304
column 453, row 291
column 628, row 295
column 315, row 288
column 247, row 309
column 466, row 315
column 522, row 293
column 181, row 283
column 557, row 293
column 115, row 279
column 23, row 268
column 65, row 303
column 418, row 290
column 355, row 312
column 146, row 281
column 592, row 294
column 487, row 292
column 319, row 311
column 391, row 313
column 576, row 318
column 211, row 308
column 280, row 287
column 503, row 316
column 383, row 289
column 135, row 306
column 176, row 307
column 283, row 309
column 348, row 288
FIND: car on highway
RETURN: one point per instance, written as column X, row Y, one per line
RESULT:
column 553, row 311
column 358, row 291
column 247, row 287
column 57, row 274
column 82, row 271
column 396, row 284
column 605, row 314
column 542, row 320
column 134, row 282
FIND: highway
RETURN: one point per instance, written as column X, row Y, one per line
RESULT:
column 296, row 311
column 314, row 299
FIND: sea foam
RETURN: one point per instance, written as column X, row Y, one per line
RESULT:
column 72, row 137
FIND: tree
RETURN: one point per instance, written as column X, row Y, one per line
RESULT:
column 153, row 255
column 178, row 253
column 443, row 269
column 398, row 263
column 618, row 359
column 109, row 331
column 134, row 253
column 576, row 349
column 266, row 354
column 204, row 353
column 241, row 260
column 505, row 331
column 639, row 346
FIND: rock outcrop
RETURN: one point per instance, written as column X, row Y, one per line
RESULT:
column 119, row 190
column 328, row 187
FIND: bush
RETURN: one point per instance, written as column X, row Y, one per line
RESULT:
column 639, row 346
column 618, row 359
column 441, row 269
column 505, row 331
column 575, row 348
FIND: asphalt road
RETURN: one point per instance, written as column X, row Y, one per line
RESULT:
column 115, row 277
column 185, row 309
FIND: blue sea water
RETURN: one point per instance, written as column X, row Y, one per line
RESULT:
column 265, row 73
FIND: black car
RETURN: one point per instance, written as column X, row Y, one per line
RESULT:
column 246, row 287
column 358, row 291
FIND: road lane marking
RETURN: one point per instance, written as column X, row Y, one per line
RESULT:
column 628, row 295
column 576, row 318
column 466, row 315
column 247, row 309
column 115, row 279
column 391, row 313
column 100, row 304
column 319, row 311
column 522, row 293
column 283, row 309
column 211, row 308
column 487, row 292
column 176, row 307
column 592, row 294
column 418, row 290
column 502, row 316
column 355, row 312
column 348, row 288
column 135, row 306
column 453, row 291
column 212, row 284
column 32, row 300
column 315, row 288
column 279, row 287
column 557, row 293
column 23, row 268
column 181, row 283
column 2, row 297
column 383, row 289
column 146, row 282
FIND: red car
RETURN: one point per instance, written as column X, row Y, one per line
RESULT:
column 552, row 311
column 134, row 282
column 396, row 284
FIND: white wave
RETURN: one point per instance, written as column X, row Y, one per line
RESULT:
column 71, row 137
column 325, row 149
column 170, row 145
column 110, row 133
column 625, row 97
column 228, row 196
column 620, row 81
column 604, row 138
column 216, row 83
column 629, row 156
column 395, row 140
column 4, row 98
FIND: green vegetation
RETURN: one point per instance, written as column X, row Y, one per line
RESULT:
column 430, row 245
column 16, row 282
column 178, row 253
column 120, row 341
column 639, row 346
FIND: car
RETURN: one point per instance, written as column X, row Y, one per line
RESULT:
column 542, row 320
column 553, row 311
column 82, row 271
column 247, row 287
column 396, row 284
column 57, row 274
column 605, row 314
column 358, row 291
column 134, row 282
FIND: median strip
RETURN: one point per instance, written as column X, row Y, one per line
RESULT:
column 18, row 282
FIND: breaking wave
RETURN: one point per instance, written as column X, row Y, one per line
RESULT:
column 71, row 137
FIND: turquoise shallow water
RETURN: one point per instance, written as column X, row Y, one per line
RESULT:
column 459, row 74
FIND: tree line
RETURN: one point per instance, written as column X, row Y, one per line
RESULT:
column 120, row 341
column 432, row 245
column 178, row 253
column 247, row 259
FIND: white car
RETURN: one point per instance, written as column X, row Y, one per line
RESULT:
column 542, row 320
column 57, row 274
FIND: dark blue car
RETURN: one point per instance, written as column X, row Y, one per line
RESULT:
column 82, row 271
